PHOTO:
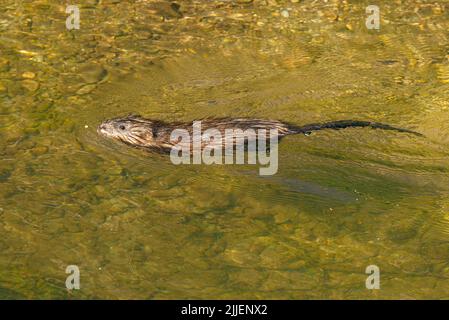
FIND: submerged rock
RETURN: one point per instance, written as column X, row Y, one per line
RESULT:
column 167, row 10
column 4, row 65
column 92, row 73
column 39, row 150
column 86, row 89
column 28, row 75
column 30, row 85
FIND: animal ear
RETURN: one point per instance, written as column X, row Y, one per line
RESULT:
column 133, row 116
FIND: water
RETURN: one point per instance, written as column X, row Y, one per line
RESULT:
column 139, row 227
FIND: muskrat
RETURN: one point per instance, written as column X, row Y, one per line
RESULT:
column 154, row 135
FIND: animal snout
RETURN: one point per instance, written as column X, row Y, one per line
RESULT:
column 101, row 128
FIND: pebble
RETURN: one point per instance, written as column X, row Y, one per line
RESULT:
column 4, row 65
column 30, row 85
column 86, row 89
column 39, row 150
column 42, row 107
column 167, row 10
column 91, row 2
column 28, row 75
column 401, row 234
column 285, row 13
column 92, row 73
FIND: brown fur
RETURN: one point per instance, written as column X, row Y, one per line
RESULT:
column 155, row 135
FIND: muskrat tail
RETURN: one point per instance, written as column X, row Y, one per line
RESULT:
column 341, row 124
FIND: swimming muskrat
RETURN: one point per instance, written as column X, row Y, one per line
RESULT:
column 154, row 135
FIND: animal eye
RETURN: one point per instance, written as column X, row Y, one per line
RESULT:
column 122, row 127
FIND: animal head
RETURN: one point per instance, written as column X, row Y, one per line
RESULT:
column 133, row 130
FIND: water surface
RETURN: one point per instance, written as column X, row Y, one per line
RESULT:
column 140, row 227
